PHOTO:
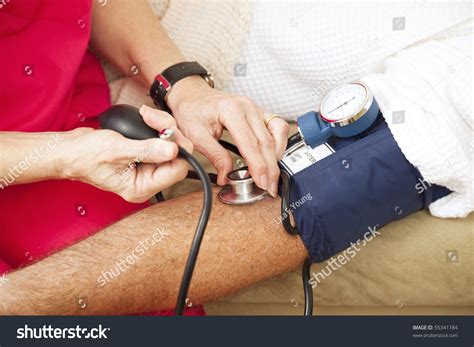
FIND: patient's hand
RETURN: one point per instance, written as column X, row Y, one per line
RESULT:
column 107, row 160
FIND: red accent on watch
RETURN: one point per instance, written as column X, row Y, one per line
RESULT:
column 163, row 82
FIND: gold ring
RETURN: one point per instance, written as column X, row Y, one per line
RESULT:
column 270, row 118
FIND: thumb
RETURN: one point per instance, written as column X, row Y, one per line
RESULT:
column 219, row 157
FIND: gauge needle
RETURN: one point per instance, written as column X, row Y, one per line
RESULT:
column 343, row 104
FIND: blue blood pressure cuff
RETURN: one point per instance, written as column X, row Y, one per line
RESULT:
column 341, row 190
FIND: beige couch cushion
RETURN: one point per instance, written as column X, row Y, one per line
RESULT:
column 409, row 264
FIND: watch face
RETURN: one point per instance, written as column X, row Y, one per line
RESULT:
column 344, row 102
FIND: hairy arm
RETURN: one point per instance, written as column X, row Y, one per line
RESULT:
column 242, row 245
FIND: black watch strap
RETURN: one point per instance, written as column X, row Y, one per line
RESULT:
column 164, row 81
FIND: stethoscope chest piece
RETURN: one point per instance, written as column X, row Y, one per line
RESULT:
column 241, row 189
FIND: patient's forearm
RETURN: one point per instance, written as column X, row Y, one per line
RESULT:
column 242, row 245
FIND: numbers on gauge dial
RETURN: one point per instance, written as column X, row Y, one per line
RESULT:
column 344, row 102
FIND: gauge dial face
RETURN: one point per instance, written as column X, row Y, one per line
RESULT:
column 344, row 102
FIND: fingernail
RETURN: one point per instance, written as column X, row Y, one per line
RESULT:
column 273, row 189
column 144, row 109
column 263, row 181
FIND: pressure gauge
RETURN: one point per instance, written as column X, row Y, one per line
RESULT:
column 345, row 111
column 345, row 104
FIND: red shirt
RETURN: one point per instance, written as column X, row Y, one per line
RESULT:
column 50, row 82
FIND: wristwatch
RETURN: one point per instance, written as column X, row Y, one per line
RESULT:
column 164, row 82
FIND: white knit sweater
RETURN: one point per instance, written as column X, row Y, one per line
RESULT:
column 415, row 56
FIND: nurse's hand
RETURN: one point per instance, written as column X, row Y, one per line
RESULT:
column 202, row 113
column 107, row 160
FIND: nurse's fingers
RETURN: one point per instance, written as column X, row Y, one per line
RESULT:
column 279, row 130
column 157, row 119
column 160, row 120
column 149, row 151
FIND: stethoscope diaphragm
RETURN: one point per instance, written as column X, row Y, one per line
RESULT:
column 241, row 189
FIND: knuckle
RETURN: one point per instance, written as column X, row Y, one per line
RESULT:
column 232, row 117
column 281, row 129
column 238, row 116
column 181, row 172
column 224, row 104
column 135, row 198
column 251, row 143
column 220, row 159
column 216, row 158
column 184, row 173
column 229, row 105
column 267, row 142
column 274, row 172
column 245, row 100
column 284, row 127
column 170, row 121
column 226, row 161
column 259, row 168
column 127, row 197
